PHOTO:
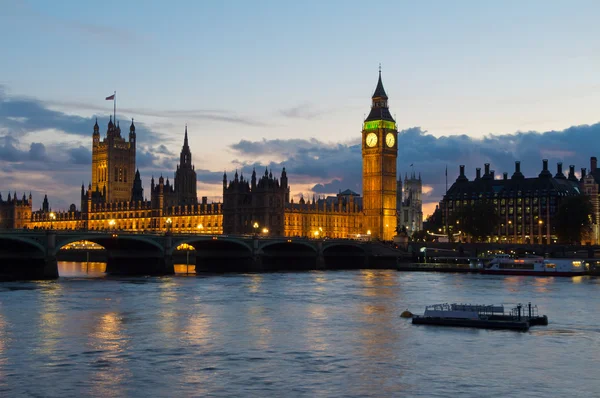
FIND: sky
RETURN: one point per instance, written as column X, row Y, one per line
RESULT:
column 287, row 84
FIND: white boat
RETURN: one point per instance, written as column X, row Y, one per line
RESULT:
column 504, row 264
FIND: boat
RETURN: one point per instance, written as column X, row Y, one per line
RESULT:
column 504, row 264
column 481, row 316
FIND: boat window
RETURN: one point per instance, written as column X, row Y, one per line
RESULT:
column 550, row 265
column 576, row 264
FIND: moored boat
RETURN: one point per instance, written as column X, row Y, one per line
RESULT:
column 538, row 266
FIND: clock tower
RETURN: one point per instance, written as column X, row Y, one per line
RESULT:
column 379, row 154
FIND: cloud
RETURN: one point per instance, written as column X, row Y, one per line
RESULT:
column 20, row 116
column 339, row 166
column 37, row 151
column 80, row 155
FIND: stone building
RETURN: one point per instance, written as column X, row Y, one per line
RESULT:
column 527, row 206
column 113, row 162
column 409, row 203
column 15, row 213
column 379, row 155
column 590, row 185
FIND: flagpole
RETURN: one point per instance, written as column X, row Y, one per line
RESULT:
column 115, row 107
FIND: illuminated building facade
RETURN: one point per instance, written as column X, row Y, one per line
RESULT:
column 526, row 206
column 379, row 154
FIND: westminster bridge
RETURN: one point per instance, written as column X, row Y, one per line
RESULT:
column 32, row 254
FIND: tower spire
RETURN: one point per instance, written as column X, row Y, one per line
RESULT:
column 185, row 138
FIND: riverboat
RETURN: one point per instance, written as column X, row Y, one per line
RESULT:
column 503, row 264
column 481, row 316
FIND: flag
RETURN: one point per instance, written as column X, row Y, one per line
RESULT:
column 446, row 171
column 411, row 165
column 112, row 97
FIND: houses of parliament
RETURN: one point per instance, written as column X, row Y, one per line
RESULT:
column 114, row 200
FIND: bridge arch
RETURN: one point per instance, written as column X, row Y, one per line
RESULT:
column 288, row 245
column 19, row 244
column 110, row 241
column 349, row 248
column 214, row 243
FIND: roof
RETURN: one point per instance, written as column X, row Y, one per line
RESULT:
column 511, row 187
column 379, row 90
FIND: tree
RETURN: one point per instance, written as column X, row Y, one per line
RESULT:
column 574, row 219
column 478, row 220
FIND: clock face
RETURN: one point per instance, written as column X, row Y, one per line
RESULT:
column 390, row 139
column 371, row 140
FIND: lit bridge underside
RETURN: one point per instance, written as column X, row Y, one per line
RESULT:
column 32, row 254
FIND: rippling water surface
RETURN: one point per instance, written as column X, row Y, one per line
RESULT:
column 291, row 334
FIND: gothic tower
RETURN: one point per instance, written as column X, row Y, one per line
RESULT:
column 113, row 162
column 185, row 176
column 379, row 154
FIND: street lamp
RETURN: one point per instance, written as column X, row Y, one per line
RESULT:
column 265, row 231
column 111, row 224
column 200, row 228
column 169, row 222
column 255, row 226
column 316, row 233
column 52, row 218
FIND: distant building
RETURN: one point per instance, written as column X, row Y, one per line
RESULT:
column 15, row 213
column 590, row 185
column 409, row 203
column 527, row 206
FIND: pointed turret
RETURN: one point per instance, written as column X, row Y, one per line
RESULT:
column 96, row 127
column 132, row 127
column 379, row 106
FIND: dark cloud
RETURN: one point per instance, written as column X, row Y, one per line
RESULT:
column 24, row 115
column 341, row 165
column 37, row 151
column 80, row 155
column 9, row 151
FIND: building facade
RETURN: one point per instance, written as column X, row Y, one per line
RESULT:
column 113, row 162
column 15, row 213
column 410, row 204
column 526, row 206
column 379, row 156
column 590, row 185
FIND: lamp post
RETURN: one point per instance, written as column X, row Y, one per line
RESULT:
column 255, row 226
column 52, row 218
column 111, row 224
column 369, row 234
column 265, row 231
column 169, row 222
column 540, row 223
column 200, row 228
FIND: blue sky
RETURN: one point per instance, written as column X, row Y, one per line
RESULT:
column 297, row 76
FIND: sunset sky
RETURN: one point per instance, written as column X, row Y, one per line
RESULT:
column 282, row 83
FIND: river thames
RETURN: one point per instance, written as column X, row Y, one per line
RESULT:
column 291, row 334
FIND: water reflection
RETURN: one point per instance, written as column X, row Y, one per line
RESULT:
column 50, row 321
column 185, row 269
column 78, row 268
column 3, row 348
column 108, row 344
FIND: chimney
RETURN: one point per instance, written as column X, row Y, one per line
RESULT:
column 517, row 167
column 559, row 168
column 593, row 164
column 571, row 170
column 462, row 177
column 505, row 176
column 492, row 172
column 204, row 200
column 583, row 172
column 487, row 169
column 545, row 165
column 478, row 173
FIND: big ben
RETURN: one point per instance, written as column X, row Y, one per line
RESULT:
column 379, row 154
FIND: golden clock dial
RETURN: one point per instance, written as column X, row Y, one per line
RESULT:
column 371, row 140
column 390, row 139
